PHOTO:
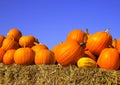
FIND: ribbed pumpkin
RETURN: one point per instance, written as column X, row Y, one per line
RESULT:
column 98, row 41
column 44, row 56
column 86, row 62
column 24, row 56
column 1, row 39
column 109, row 59
column 77, row 35
column 69, row 52
column 27, row 41
column 8, row 57
column 14, row 33
column 2, row 52
column 39, row 46
column 9, row 44
column 118, row 45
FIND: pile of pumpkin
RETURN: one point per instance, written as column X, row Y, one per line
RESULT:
column 80, row 48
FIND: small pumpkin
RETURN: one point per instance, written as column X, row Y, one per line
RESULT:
column 24, row 56
column 8, row 57
column 14, row 33
column 77, row 34
column 9, row 44
column 44, row 56
column 39, row 46
column 1, row 39
column 68, row 52
column 98, row 41
column 109, row 59
column 86, row 62
column 27, row 41
column 114, row 43
column 118, row 45
column 2, row 52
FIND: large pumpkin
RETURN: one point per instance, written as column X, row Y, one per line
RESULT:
column 109, row 59
column 2, row 52
column 24, row 56
column 8, row 57
column 68, row 52
column 39, row 46
column 98, row 41
column 44, row 56
column 14, row 33
column 77, row 35
column 27, row 41
column 1, row 39
column 9, row 44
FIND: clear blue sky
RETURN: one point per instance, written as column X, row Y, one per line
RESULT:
column 51, row 20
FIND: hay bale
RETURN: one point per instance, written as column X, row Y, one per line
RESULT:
column 56, row 75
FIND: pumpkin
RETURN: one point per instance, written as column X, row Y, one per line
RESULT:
column 68, row 52
column 27, row 41
column 9, row 44
column 77, row 35
column 39, row 46
column 86, row 62
column 14, row 33
column 114, row 43
column 2, row 52
column 44, row 56
column 118, row 45
column 24, row 56
column 109, row 59
column 8, row 57
column 1, row 39
column 87, row 53
column 98, row 41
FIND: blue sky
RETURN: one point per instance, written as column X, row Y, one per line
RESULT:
column 51, row 20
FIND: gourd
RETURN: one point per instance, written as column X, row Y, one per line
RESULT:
column 86, row 62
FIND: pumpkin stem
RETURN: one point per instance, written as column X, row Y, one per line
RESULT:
column 87, row 31
column 36, row 43
column 83, row 44
column 107, row 30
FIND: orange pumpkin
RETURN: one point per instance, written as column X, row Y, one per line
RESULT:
column 118, row 45
column 44, row 56
column 27, row 41
column 98, row 41
column 9, row 44
column 2, row 52
column 24, row 56
column 77, row 35
column 114, row 43
column 39, row 46
column 109, row 59
column 1, row 39
column 14, row 33
column 69, row 52
column 8, row 57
